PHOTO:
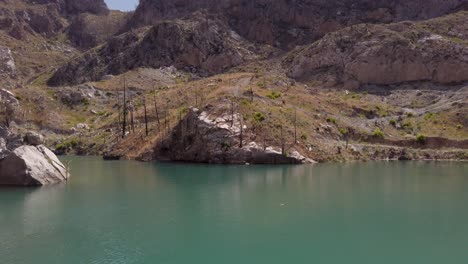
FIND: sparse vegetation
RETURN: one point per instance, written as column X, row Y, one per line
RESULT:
column 259, row 117
column 378, row 133
column 407, row 125
column 67, row 145
column 274, row 95
column 331, row 120
column 421, row 139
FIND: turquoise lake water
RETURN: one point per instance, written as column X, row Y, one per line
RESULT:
column 130, row 212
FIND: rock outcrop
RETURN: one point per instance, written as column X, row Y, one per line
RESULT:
column 31, row 166
column 97, row 7
column 28, row 165
column 432, row 51
column 197, row 45
column 286, row 23
column 7, row 63
column 22, row 19
column 88, row 30
column 33, row 138
column 202, row 138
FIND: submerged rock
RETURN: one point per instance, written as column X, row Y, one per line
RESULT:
column 32, row 166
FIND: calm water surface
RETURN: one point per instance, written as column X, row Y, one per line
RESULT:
column 129, row 212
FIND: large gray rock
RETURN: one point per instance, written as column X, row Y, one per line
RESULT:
column 8, row 140
column 205, row 138
column 32, row 166
column 33, row 139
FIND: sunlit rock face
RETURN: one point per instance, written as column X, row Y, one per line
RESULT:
column 31, row 166
column 199, row 45
column 286, row 23
column 388, row 54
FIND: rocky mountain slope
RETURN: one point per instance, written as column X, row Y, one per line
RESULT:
column 285, row 23
column 303, row 80
column 433, row 51
column 199, row 45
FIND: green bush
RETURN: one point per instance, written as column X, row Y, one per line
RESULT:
column 259, row 117
column 304, row 136
column 410, row 115
column 393, row 122
column 274, row 95
column 378, row 133
column 421, row 139
column 65, row 146
column 331, row 120
column 428, row 116
column 407, row 125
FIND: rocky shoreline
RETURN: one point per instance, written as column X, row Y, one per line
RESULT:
column 25, row 161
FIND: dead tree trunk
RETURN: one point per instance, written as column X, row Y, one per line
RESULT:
column 295, row 125
column 157, row 111
column 232, row 112
column 124, row 123
column 241, row 124
column 132, row 122
column 283, row 148
column 146, row 117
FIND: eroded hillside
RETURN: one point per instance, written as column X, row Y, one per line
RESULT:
column 226, row 82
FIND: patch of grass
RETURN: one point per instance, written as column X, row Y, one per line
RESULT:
column 410, row 115
column 304, row 136
column 407, row 125
column 421, row 139
column 393, row 122
column 259, row 117
column 331, row 120
column 67, row 145
column 274, row 95
column 378, row 133
column 428, row 116
column 245, row 102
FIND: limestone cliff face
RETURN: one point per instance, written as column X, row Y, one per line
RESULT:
column 286, row 23
column 198, row 45
column 23, row 18
column 434, row 51
column 88, row 30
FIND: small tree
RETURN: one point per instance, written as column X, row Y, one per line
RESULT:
column 345, row 133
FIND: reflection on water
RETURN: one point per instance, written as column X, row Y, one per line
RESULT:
column 130, row 212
